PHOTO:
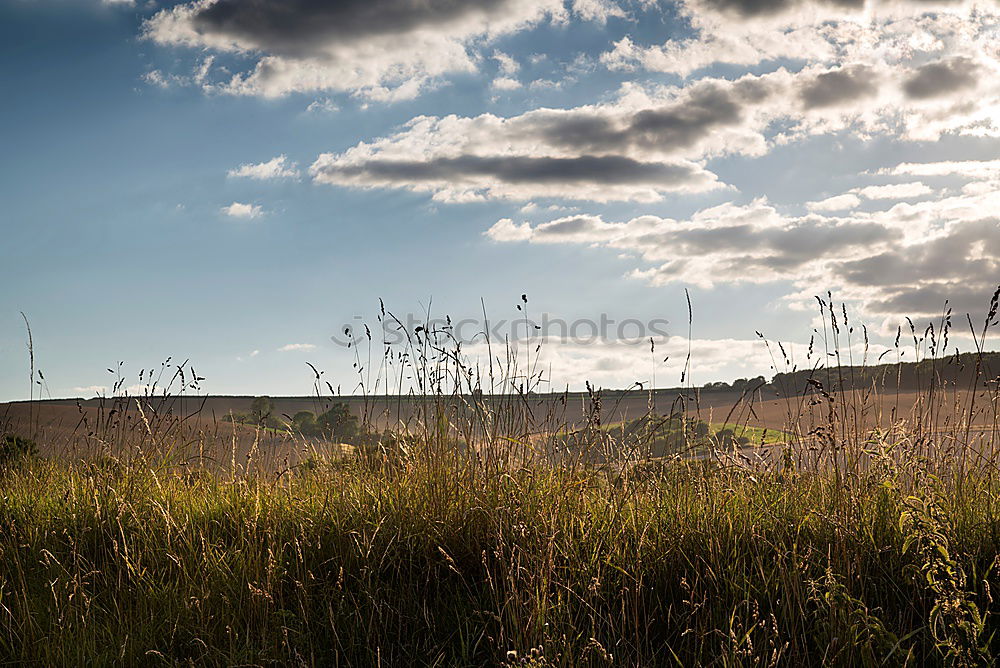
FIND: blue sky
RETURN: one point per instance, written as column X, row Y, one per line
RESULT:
column 231, row 182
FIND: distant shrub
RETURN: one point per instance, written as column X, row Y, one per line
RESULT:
column 724, row 438
column 14, row 448
column 261, row 409
column 339, row 423
column 304, row 422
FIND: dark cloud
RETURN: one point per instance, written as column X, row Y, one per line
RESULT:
column 890, row 275
column 809, row 241
column 962, row 265
column 969, row 251
column 776, row 248
column 684, row 125
column 298, row 27
column 942, row 78
column 761, row 8
column 671, row 127
column 768, row 247
column 607, row 170
column 754, row 8
column 589, row 131
column 931, row 300
column 833, row 88
column 570, row 227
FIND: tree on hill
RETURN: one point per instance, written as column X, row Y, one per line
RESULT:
column 339, row 423
column 959, row 369
column 305, row 423
column 717, row 386
column 261, row 409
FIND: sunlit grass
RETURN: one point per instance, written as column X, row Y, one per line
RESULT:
column 483, row 534
column 358, row 562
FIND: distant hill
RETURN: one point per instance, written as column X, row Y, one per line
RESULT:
column 963, row 371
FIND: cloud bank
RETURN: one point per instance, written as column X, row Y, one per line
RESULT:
column 382, row 49
column 903, row 260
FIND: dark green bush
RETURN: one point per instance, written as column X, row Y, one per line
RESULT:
column 14, row 448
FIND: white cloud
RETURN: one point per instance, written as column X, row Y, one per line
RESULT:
column 598, row 10
column 748, row 33
column 199, row 77
column 296, row 347
column 752, row 243
column 935, row 63
column 719, row 45
column 275, row 168
column 835, row 203
column 242, row 210
column 544, row 84
column 650, row 141
column 159, row 79
column 506, row 230
column 896, row 191
column 324, row 106
column 970, row 168
column 903, row 260
column 346, row 47
column 505, row 83
column 507, row 65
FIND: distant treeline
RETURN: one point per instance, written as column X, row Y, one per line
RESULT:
column 963, row 370
column 337, row 423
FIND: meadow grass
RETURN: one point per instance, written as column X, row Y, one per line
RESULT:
column 473, row 540
column 439, row 560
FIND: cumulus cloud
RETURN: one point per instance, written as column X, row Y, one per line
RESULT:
column 506, row 83
column 470, row 177
column 324, row 106
column 275, row 168
column 243, row 210
column 960, row 264
column 388, row 49
column 729, row 243
column 835, row 203
column 903, row 260
column 895, row 191
column 838, row 87
column 718, row 45
column 968, row 168
column 506, row 229
column 199, row 77
column 888, row 99
column 936, row 46
column 507, row 65
column 648, row 141
column 598, row 10
column 636, row 148
column 942, row 78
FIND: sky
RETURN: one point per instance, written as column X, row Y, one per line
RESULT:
column 234, row 182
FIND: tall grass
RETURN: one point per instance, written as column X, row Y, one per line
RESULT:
column 477, row 533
